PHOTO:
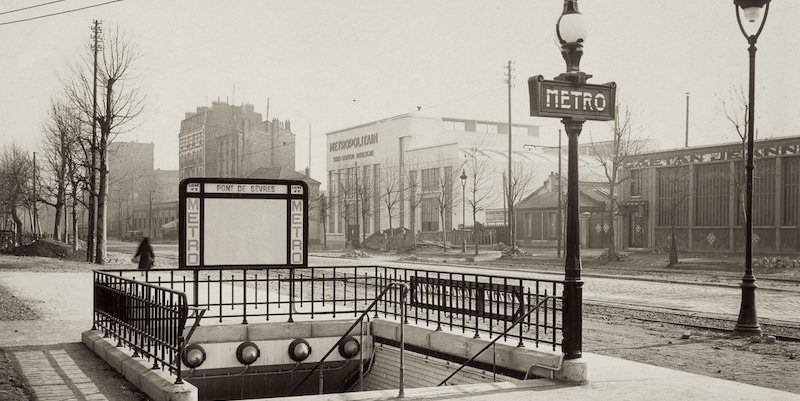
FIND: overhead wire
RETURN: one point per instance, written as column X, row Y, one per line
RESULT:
column 30, row 7
column 58, row 13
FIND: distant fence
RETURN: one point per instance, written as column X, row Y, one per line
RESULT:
column 476, row 303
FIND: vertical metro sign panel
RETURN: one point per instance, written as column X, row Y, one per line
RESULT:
column 192, row 232
column 243, row 222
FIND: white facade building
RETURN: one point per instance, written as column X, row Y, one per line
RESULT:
column 403, row 171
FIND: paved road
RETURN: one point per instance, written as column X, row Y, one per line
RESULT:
column 772, row 304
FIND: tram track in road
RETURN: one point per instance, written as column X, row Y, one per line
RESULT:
column 781, row 330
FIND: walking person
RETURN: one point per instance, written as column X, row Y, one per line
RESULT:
column 144, row 255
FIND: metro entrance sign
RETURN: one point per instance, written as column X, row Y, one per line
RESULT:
column 256, row 223
column 563, row 99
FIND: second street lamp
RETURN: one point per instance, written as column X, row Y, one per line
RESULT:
column 747, row 324
column 463, row 208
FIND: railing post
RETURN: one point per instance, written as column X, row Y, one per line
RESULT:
column 403, row 294
column 178, row 360
column 94, row 301
column 244, row 297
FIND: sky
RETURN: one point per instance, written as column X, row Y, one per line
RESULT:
column 327, row 65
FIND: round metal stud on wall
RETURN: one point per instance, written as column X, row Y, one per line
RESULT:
column 349, row 347
column 247, row 353
column 299, row 350
column 193, row 356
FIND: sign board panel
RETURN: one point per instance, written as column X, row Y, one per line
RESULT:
column 495, row 217
column 563, row 99
column 495, row 301
column 242, row 222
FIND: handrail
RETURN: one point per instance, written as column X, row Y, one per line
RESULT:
column 499, row 336
column 336, row 345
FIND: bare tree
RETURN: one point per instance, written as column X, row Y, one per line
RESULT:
column 324, row 212
column 479, row 172
column 117, row 109
column 674, row 192
column 59, row 134
column 16, row 176
column 390, row 191
column 444, row 198
column 735, row 109
column 415, row 194
column 365, row 191
column 519, row 187
column 613, row 156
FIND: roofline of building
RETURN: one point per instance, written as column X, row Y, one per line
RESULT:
column 443, row 118
column 729, row 145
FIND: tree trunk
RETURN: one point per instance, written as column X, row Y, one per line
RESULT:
column 100, row 238
column 475, row 240
column 413, row 215
column 74, row 220
column 444, row 229
column 673, row 249
column 17, row 225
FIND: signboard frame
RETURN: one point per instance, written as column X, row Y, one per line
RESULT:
column 537, row 90
column 193, row 191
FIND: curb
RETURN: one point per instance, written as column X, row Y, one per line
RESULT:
column 157, row 384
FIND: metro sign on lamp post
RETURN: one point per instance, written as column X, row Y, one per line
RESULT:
column 570, row 98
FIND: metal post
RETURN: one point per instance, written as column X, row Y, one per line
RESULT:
column 403, row 293
column 573, row 291
column 560, row 207
column 463, row 211
column 747, row 324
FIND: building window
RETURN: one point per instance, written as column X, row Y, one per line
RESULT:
column 483, row 128
column 430, row 214
column 447, row 189
column 521, row 131
column 673, row 196
column 454, row 125
column 711, row 194
column 430, row 179
column 636, row 182
column 791, row 191
column 763, row 193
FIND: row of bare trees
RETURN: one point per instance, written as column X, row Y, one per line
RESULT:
column 397, row 184
column 99, row 99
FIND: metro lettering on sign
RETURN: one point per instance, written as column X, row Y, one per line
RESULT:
column 296, row 232
column 192, row 231
column 567, row 100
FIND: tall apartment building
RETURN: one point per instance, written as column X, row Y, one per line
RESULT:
column 232, row 141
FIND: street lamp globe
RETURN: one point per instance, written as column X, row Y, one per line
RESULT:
column 571, row 27
column 463, row 178
column 751, row 8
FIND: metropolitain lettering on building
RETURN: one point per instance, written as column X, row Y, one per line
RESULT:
column 356, row 142
column 563, row 99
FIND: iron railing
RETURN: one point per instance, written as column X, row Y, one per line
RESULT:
column 477, row 304
column 147, row 318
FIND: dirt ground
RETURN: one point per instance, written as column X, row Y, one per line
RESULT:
column 707, row 353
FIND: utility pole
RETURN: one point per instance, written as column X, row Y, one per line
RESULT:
column 686, row 143
column 92, row 169
column 35, row 209
column 509, row 79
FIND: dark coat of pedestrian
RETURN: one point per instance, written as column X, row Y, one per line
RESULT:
column 145, row 254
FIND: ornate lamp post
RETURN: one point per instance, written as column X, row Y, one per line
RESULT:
column 571, row 99
column 571, row 32
column 463, row 205
column 748, row 322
